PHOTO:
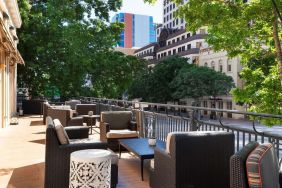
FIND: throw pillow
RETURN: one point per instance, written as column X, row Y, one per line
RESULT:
column 61, row 132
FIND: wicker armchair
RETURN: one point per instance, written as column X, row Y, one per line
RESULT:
column 72, row 103
column 83, row 109
column 115, row 125
column 193, row 159
column 57, row 156
column 65, row 116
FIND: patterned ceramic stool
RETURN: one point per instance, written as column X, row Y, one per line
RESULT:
column 90, row 168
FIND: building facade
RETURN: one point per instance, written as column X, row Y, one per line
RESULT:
column 139, row 30
column 173, row 39
column 10, row 20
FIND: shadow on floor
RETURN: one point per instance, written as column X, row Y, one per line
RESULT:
column 36, row 123
column 31, row 176
column 41, row 141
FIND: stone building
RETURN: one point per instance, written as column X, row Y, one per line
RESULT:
column 10, row 20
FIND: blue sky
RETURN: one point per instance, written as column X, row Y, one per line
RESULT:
column 139, row 7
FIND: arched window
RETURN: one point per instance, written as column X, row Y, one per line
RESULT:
column 206, row 64
column 229, row 66
column 220, row 66
column 213, row 65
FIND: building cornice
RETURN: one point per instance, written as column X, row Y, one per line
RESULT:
column 184, row 41
column 14, row 12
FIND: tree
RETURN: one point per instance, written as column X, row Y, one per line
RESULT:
column 196, row 82
column 262, row 90
column 113, row 73
column 60, row 40
column 155, row 82
column 250, row 30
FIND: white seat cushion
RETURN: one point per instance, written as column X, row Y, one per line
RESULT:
column 124, row 133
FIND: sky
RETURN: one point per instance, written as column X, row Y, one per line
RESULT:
column 139, row 7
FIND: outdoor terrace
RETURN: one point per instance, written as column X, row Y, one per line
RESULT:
column 23, row 155
column 23, row 145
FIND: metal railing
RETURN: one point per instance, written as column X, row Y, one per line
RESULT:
column 184, row 118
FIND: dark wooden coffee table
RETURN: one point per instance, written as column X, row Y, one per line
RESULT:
column 141, row 148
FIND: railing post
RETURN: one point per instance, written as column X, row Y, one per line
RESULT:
column 193, row 126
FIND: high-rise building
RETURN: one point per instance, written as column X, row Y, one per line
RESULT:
column 139, row 30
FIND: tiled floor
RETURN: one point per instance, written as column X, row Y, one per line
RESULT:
column 22, row 153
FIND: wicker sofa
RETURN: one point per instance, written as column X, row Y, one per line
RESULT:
column 57, row 156
column 193, row 159
column 115, row 125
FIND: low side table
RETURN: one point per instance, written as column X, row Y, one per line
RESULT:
column 91, row 121
column 90, row 168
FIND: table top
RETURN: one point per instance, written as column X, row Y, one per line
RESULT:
column 141, row 147
column 90, row 154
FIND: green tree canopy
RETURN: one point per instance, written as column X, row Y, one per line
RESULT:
column 153, row 84
column 196, row 82
column 250, row 30
column 60, row 40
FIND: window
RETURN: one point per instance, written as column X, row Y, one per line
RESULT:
column 176, row 21
column 220, row 66
column 173, row 41
column 206, row 64
column 213, row 65
column 170, row 7
column 183, row 48
column 178, row 39
column 179, row 49
column 183, row 37
column 170, row 16
column 169, row 52
column 159, row 56
column 188, row 46
column 198, row 44
column 188, row 35
column 164, row 11
column 182, row 20
column 164, row 19
column 173, row 23
column 170, row 25
column 229, row 66
column 202, row 31
column 174, row 51
column 173, row 5
column 168, row 43
column 164, row 54
column 229, row 105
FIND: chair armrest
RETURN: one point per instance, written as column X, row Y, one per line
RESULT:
column 104, row 128
column 133, row 126
column 69, row 148
column 77, row 132
column 164, row 170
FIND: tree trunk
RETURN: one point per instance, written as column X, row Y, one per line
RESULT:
column 277, row 45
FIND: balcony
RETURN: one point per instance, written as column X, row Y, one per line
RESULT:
column 23, row 145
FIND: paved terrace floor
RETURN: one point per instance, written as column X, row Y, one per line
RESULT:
column 22, row 150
